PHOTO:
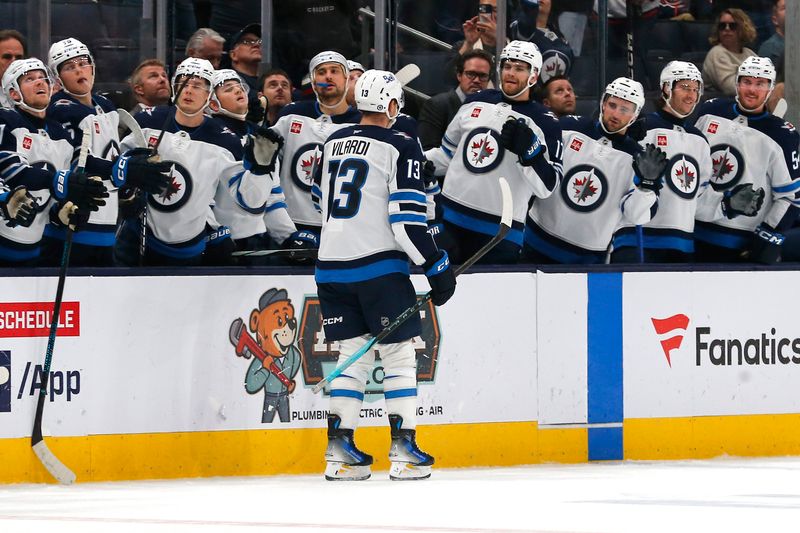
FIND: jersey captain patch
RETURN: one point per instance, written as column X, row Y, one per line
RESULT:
column 728, row 166
column 304, row 163
column 482, row 151
column 682, row 175
column 584, row 188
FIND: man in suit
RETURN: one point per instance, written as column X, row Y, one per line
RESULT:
column 473, row 70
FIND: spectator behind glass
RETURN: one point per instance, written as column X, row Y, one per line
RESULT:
column 356, row 70
column 150, row 85
column 532, row 24
column 481, row 30
column 732, row 31
column 473, row 70
column 12, row 47
column 277, row 87
column 206, row 43
column 558, row 96
column 572, row 17
column 245, row 55
column 774, row 47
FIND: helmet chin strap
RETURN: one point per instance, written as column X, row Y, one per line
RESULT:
column 225, row 112
column 626, row 126
column 76, row 95
column 21, row 104
column 528, row 86
column 746, row 110
column 337, row 104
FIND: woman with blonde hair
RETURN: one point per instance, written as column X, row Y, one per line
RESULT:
column 733, row 31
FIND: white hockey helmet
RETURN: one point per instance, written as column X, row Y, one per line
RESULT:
column 15, row 71
column 677, row 71
column 219, row 78
column 355, row 65
column 327, row 56
column 757, row 67
column 64, row 50
column 626, row 89
column 526, row 52
column 375, row 89
column 196, row 68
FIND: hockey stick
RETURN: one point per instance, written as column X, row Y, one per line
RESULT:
column 780, row 108
column 129, row 122
column 505, row 227
column 53, row 465
column 630, row 12
column 407, row 74
column 298, row 253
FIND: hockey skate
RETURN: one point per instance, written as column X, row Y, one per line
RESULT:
column 345, row 462
column 408, row 461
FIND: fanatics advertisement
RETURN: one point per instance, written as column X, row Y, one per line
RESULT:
column 173, row 354
column 711, row 343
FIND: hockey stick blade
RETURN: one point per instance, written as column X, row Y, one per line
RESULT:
column 505, row 227
column 129, row 122
column 301, row 253
column 407, row 74
column 780, row 108
column 57, row 469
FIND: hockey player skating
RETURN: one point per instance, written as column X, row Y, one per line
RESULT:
column 669, row 236
column 497, row 133
column 370, row 189
column 248, row 227
column 749, row 146
column 607, row 178
column 203, row 158
column 36, row 153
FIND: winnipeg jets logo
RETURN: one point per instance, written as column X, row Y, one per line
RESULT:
column 682, row 175
column 305, row 161
column 554, row 63
column 177, row 192
column 728, row 166
column 482, row 151
column 584, row 188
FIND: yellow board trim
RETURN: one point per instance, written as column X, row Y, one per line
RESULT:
column 271, row 452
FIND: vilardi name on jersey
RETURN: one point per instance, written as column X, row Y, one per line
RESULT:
column 759, row 149
column 31, row 149
column 204, row 159
column 575, row 224
column 372, row 226
column 471, row 149
column 686, row 193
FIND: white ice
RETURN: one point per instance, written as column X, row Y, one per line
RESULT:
column 721, row 495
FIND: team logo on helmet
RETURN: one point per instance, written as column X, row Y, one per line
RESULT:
column 177, row 193
column 304, row 163
column 482, row 150
column 682, row 175
column 554, row 63
column 728, row 166
column 584, row 188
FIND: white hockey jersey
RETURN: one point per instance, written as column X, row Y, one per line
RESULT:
column 205, row 159
column 373, row 204
column 103, row 122
column 758, row 149
column 31, row 150
column 686, row 192
column 576, row 223
column 471, row 153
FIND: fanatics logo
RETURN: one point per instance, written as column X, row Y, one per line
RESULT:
column 662, row 140
column 476, row 112
column 27, row 142
column 712, row 127
column 576, row 145
column 296, row 127
column 671, row 330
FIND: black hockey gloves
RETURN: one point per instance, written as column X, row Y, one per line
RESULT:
column 301, row 240
column 441, row 278
column 516, row 136
column 140, row 168
column 18, row 207
column 765, row 247
column 86, row 192
column 429, row 174
column 261, row 151
column 649, row 165
column 257, row 110
column 742, row 200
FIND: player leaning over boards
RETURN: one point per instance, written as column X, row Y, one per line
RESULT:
column 607, row 178
column 669, row 236
column 373, row 206
column 750, row 146
column 497, row 133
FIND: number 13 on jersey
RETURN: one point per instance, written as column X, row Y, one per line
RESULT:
column 347, row 177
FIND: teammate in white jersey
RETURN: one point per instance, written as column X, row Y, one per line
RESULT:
column 372, row 197
column 497, row 133
column 749, row 146
column 204, row 157
column 36, row 153
column 669, row 236
column 76, row 108
column 607, row 178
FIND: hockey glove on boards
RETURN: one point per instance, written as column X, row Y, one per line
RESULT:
column 70, row 215
column 765, row 246
column 301, row 240
column 516, row 136
column 18, row 207
column 86, row 192
column 742, row 200
column 142, row 169
column 441, row 278
column 261, row 151
column 649, row 165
